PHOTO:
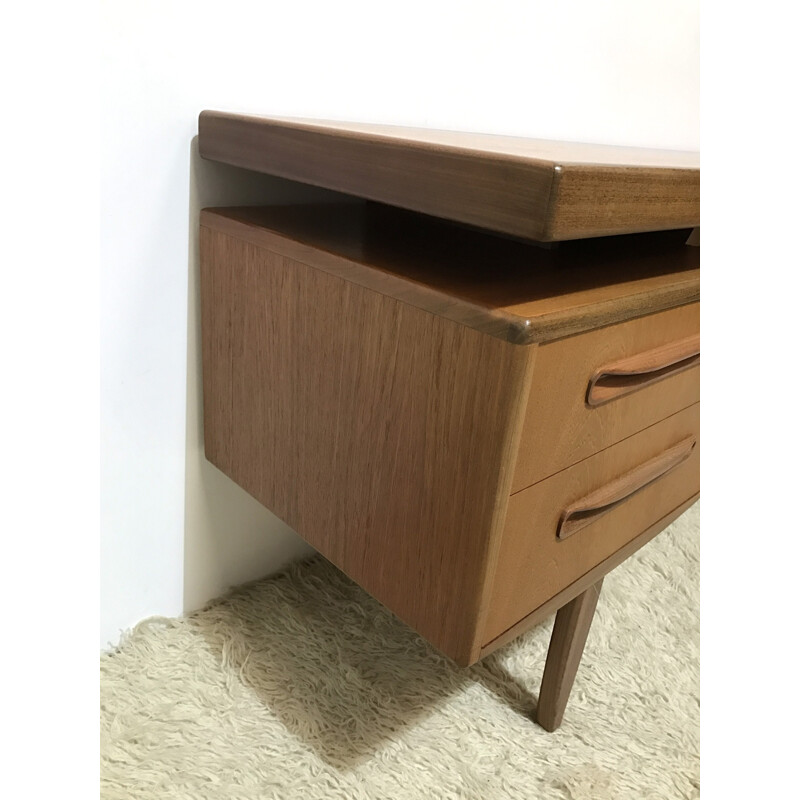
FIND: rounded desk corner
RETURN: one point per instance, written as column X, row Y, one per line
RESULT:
column 521, row 330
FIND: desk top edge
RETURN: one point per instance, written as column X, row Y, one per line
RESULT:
column 538, row 189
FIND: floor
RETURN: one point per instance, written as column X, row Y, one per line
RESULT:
column 302, row 686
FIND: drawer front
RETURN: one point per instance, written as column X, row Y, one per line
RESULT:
column 595, row 389
column 559, row 529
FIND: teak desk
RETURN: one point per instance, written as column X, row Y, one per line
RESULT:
column 473, row 425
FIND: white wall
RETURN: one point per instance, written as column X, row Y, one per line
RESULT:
column 174, row 531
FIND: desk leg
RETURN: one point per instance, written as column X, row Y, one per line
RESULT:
column 566, row 648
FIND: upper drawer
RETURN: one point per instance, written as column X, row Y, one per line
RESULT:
column 594, row 389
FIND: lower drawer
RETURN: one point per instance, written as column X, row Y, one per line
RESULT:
column 560, row 528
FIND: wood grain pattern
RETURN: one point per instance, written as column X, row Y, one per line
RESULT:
column 586, row 580
column 536, row 189
column 567, row 641
column 591, row 201
column 560, row 428
column 533, row 565
column 359, row 421
column 514, row 291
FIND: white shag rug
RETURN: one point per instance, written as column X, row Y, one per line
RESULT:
column 302, row 686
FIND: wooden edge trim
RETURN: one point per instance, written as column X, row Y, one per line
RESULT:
column 561, row 324
column 584, row 582
column 500, row 324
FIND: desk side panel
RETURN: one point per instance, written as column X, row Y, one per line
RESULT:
column 382, row 433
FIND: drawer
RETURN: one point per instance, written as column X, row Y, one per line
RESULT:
column 560, row 528
column 594, row 389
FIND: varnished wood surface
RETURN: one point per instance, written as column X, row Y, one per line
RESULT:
column 512, row 290
column 567, row 641
column 542, row 190
column 381, row 433
column 585, row 581
column 533, row 564
column 560, row 428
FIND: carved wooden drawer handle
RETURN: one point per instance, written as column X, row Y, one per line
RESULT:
column 630, row 374
column 586, row 510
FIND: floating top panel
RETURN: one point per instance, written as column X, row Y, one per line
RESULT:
column 536, row 189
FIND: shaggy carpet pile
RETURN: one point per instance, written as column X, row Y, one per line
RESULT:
column 302, row 686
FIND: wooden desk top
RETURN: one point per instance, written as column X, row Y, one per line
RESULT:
column 536, row 189
column 513, row 290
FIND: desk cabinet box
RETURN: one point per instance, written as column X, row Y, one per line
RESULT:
column 473, row 428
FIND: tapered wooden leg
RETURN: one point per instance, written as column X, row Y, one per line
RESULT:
column 566, row 648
